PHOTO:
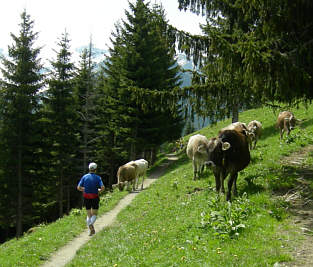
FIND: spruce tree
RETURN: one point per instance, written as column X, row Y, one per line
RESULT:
column 19, row 134
column 140, row 67
column 61, row 115
column 84, row 86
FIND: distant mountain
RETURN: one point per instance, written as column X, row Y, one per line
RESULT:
column 197, row 122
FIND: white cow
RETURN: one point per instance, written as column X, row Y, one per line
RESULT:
column 197, row 151
column 142, row 166
column 255, row 127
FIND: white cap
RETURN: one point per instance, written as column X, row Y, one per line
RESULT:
column 92, row 166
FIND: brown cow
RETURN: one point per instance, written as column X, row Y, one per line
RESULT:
column 228, row 154
column 255, row 129
column 286, row 122
column 197, row 151
column 240, row 127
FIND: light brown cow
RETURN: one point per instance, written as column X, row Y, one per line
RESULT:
column 197, row 151
column 255, row 129
column 286, row 122
column 126, row 174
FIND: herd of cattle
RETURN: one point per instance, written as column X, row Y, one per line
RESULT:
column 226, row 154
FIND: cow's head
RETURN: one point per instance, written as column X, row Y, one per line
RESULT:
column 215, row 148
column 290, row 122
column 121, row 186
column 202, row 149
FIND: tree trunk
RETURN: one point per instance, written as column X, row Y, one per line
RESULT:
column 19, row 211
column 85, row 145
column 153, row 156
column 61, row 194
column 85, row 137
column 68, row 197
column 235, row 113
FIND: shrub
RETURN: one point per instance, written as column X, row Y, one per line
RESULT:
column 227, row 219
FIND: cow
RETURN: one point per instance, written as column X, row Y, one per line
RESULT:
column 197, row 151
column 255, row 129
column 142, row 166
column 126, row 174
column 286, row 122
column 240, row 127
column 228, row 154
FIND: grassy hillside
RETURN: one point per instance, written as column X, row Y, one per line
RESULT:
column 181, row 222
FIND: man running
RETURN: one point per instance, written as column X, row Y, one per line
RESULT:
column 91, row 185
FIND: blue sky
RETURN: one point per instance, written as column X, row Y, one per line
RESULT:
column 82, row 19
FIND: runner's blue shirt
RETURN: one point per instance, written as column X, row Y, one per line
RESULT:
column 91, row 182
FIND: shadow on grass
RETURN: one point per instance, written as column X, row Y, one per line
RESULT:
column 250, row 187
column 269, row 131
column 299, row 178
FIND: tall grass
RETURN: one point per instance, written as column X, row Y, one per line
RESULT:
column 181, row 222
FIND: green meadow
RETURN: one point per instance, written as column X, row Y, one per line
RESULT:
column 181, row 222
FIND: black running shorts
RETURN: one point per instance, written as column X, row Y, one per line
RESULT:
column 91, row 203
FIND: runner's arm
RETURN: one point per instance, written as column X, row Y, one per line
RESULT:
column 101, row 189
column 80, row 188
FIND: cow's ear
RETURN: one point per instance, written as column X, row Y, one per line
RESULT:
column 225, row 146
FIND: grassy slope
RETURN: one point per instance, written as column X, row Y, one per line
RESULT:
column 32, row 249
column 164, row 225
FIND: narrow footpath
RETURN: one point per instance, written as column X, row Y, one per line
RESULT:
column 65, row 254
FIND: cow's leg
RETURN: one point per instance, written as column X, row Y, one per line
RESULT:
column 202, row 168
column 255, row 140
column 223, row 177
column 231, row 180
column 217, row 181
column 136, row 182
column 235, row 184
column 287, row 127
column 194, row 169
column 133, row 184
column 143, row 178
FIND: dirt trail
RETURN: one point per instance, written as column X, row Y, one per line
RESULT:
column 65, row 254
column 301, row 201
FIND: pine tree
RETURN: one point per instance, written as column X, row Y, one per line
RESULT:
column 85, row 101
column 61, row 114
column 19, row 133
column 140, row 67
column 85, row 94
column 110, row 142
